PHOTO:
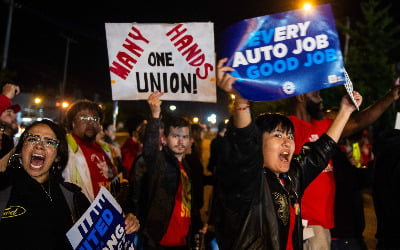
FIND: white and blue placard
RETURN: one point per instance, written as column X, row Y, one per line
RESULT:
column 284, row 54
column 102, row 226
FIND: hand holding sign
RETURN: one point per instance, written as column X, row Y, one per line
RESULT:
column 102, row 226
column 224, row 79
column 349, row 89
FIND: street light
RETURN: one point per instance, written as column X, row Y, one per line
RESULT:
column 64, row 104
column 172, row 107
column 212, row 118
column 39, row 109
column 37, row 100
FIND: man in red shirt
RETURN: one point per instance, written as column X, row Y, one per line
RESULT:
column 90, row 164
column 171, row 219
column 309, row 122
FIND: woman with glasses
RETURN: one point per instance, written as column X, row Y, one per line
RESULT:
column 90, row 164
column 34, row 191
column 36, row 205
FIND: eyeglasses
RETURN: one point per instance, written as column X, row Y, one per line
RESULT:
column 46, row 141
column 88, row 118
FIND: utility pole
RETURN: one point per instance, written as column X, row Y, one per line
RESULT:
column 64, row 81
column 8, row 33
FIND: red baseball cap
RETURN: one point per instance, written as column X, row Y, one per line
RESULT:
column 15, row 107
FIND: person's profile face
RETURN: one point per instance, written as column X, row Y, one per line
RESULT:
column 111, row 131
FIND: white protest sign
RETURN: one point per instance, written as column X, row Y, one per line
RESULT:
column 177, row 59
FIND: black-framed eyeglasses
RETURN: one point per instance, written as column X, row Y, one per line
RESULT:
column 32, row 140
column 88, row 118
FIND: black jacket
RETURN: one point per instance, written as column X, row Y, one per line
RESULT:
column 250, row 203
column 163, row 179
column 56, row 210
column 385, row 188
column 76, row 200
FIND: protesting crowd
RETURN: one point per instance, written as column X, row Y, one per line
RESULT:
column 265, row 184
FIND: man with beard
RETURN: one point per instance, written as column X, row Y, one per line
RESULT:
column 318, row 201
column 89, row 165
column 171, row 217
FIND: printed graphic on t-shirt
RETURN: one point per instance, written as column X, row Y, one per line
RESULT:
column 186, row 194
column 101, row 164
column 313, row 137
column 13, row 211
column 282, row 205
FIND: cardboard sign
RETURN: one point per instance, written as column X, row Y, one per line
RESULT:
column 177, row 59
column 285, row 54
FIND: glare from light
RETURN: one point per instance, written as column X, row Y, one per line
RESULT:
column 26, row 119
column 196, row 119
column 172, row 107
column 307, row 6
column 64, row 105
column 37, row 100
column 226, row 121
column 212, row 118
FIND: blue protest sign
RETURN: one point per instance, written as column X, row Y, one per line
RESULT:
column 102, row 226
column 285, row 54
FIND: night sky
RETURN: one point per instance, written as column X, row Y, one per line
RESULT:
column 40, row 30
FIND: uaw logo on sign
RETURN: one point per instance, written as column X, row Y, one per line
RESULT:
column 285, row 54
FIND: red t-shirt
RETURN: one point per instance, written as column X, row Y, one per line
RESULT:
column 179, row 222
column 317, row 204
column 100, row 166
column 292, row 221
column 129, row 151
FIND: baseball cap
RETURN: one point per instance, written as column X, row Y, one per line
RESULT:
column 15, row 107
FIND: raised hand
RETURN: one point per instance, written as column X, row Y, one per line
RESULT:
column 348, row 105
column 155, row 103
column 10, row 90
column 224, row 79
